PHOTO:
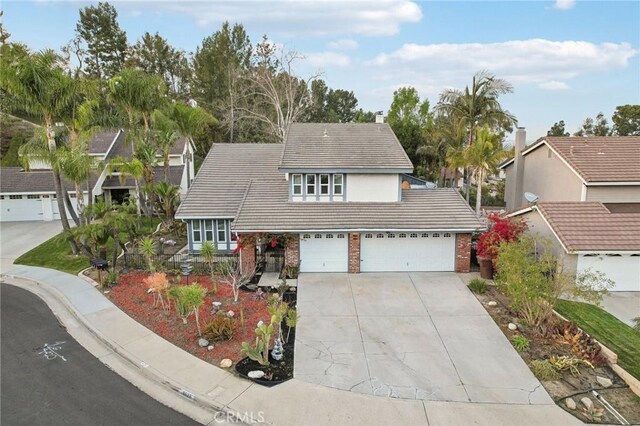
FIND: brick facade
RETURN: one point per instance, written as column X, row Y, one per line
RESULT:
column 354, row 253
column 248, row 257
column 463, row 252
column 292, row 251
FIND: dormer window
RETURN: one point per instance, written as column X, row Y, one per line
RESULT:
column 324, row 184
column 337, row 184
column 297, row 184
column 311, row 184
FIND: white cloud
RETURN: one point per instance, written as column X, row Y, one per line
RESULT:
column 344, row 44
column 327, row 59
column 533, row 61
column 553, row 85
column 564, row 4
column 366, row 17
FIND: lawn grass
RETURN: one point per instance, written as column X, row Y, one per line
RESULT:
column 608, row 330
column 55, row 254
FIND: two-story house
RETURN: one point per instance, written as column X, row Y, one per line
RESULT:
column 30, row 195
column 337, row 191
column 583, row 193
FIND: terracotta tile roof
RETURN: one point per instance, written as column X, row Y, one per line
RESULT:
column 587, row 226
column 266, row 207
column 343, row 147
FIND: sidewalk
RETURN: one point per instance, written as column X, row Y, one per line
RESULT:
column 208, row 393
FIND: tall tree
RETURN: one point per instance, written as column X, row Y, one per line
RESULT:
column 558, row 129
column 106, row 42
column 154, row 55
column 43, row 89
column 329, row 105
column 410, row 119
column 445, row 133
column 165, row 137
column 598, row 127
column 626, row 120
column 482, row 158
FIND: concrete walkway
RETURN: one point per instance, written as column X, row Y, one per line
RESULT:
column 407, row 335
column 209, row 394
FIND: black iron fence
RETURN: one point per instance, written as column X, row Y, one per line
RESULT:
column 274, row 261
column 171, row 262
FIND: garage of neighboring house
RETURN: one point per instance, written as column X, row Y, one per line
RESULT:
column 324, row 252
column 20, row 207
column 407, row 251
column 623, row 269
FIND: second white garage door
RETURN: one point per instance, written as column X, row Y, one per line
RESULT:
column 323, row 253
column 433, row 251
column 622, row 269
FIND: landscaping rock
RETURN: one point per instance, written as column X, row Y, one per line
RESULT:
column 216, row 304
column 604, row 382
column 210, row 347
column 587, row 403
column 226, row 363
column 570, row 403
column 230, row 314
column 202, row 342
column 492, row 303
column 255, row 374
column 512, row 326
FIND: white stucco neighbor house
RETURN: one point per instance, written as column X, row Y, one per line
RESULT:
column 584, row 195
column 30, row 195
column 337, row 192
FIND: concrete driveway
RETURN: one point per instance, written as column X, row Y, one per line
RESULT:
column 625, row 305
column 17, row 238
column 406, row 335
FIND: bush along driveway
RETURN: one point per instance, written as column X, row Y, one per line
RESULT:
column 406, row 335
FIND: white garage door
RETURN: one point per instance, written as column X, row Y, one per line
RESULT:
column 324, row 253
column 623, row 270
column 20, row 208
column 422, row 251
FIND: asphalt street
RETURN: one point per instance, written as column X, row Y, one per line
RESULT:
column 47, row 378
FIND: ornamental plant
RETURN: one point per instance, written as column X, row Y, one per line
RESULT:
column 260, row 351
column 158, row 284
column 188, row 300
column 501, row 229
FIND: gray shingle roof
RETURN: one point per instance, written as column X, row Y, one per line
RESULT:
column 175, row 176
column 101, row 141
column 223, row 177
column 343, row 147
column 265, row 207
column 123, row 149
column 15, row 180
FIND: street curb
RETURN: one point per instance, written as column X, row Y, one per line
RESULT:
column 179, row 390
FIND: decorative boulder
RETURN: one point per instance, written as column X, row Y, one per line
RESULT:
column 202, row 342
column 226, row 363
column 512, row 326
column 230, row 314
column 255, row 374
column 570, row 403
column 604, row 382
column 492, row 303
column 588, row 404
column 210, row 347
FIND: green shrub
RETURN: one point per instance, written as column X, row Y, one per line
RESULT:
column 562, row 363
column 110, row 279
column 478, row 286
column 543, row 370
column 219, row 328
column 521, row 343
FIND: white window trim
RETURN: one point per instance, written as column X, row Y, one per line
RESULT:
column 327, row 186
column 224, row 229
column 341, row 185
column 307, row 184
column 194, row 230
column 209, row 228
column 294, row 184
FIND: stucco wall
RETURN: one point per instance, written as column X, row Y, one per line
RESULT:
column 614, row 194
column 538, row 227
column 373, row 187
column 549, row 178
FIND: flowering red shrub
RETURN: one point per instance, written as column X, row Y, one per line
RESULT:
column 131, row 296
column 501, row 228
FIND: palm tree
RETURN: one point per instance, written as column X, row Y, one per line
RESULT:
column 165, row 137
column 77, row 165
column 146, row 154
column 208, row 252
column 42, row 88
column 482, row 158
column 169, row 197
column 147, row 248
column 116, row 220
column 134, row 169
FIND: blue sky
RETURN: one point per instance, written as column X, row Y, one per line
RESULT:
column 566, row 59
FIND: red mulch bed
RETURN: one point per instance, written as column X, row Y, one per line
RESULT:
column 131, row 296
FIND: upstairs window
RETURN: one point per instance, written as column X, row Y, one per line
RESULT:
column 208, row 230
column 222, row 230
column 337, row 184
column 324, row 184
column 296, row 181
column 311, row 184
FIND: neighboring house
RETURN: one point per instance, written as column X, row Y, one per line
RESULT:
column 601, row 236
column 602, row 169
column 30, row 195
column 584, row 195
column 337, row 191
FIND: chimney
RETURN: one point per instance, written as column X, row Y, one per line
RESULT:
column 379, row 117
column 516, row 194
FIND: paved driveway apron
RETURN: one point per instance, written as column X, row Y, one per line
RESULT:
column 407, row 335
column 17, row 238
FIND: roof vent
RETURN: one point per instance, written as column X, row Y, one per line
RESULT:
column 325, row 134
column 571, row 150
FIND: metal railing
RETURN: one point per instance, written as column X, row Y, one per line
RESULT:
column 172, row 262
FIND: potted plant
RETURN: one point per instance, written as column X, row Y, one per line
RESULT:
column 500, row 229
